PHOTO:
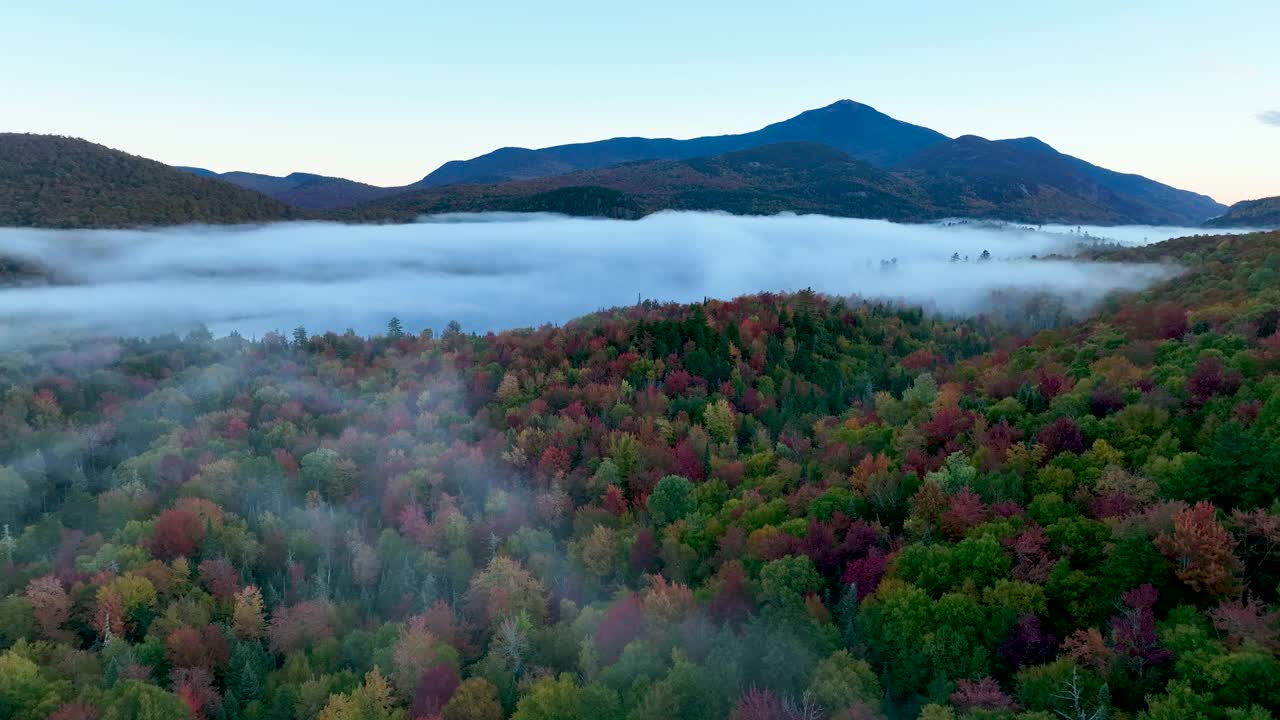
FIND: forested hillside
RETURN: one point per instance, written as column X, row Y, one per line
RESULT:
column 1260, row 213
column 1026, row 178
column 61, row 182
column 772, row 507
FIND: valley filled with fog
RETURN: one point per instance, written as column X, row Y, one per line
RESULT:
column 496, row 271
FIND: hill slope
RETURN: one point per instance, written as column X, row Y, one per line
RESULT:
column 61, row 182
column 1260, row 213
column 1027, row 179
column 304, row 190
column 857, row 129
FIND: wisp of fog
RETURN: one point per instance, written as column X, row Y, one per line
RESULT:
column 493, row 271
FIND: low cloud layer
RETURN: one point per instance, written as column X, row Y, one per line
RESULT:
column 492, row 272
column 1270, row 117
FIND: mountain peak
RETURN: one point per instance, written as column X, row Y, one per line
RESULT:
column 845, row 105
column 1033, row 144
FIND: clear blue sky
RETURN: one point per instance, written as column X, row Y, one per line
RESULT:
column 386, row 91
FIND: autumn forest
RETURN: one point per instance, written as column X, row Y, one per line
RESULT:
column 780, row 506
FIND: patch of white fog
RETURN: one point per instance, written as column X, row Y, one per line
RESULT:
column 494, row 271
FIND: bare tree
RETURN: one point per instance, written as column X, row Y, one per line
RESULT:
column 513, row 643
column 806, row 708
column 1078, row 707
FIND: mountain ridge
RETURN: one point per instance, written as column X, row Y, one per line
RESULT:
column 800, row 177
column 858, row 129
column 1263, row 213
column 1084, row 192
column 309, row 191
column 1019, row 171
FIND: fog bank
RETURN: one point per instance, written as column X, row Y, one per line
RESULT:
column 492, row 272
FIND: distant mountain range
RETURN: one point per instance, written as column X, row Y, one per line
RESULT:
column 1022, row 179
column 1263, row 213
column 965, row 177
column 844, row 159
column 857, row 129
column 304, row 190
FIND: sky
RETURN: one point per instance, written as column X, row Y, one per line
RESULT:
column 1187, row 93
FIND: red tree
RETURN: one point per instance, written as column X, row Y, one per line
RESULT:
column 946, row 425
column 1031, row 548
column 1201, row 551
column 1247, row 620
column 204, row 648
column 865, row 573
column 965, row 512
column 1133, row 632
column 615, row 503
column 178, row 532
column 50, row 605
column 732, row 601
column 1061, row 435
column 434, row 690
column 644, row 552
column 985, row 694
column 757, row 704
column 1211, row 378
column 195, row 688
column 294, row 627
column 219, row 578
column 620, row 625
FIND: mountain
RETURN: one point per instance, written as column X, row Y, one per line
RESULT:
column 304, row 190
column 844, row 159
column 1158, row 196
column 1026, row 179
column 967, row 177
column 1020, row 179
column 798, row 176
column 62, row 182
column 1261, row 213
column 857, row 129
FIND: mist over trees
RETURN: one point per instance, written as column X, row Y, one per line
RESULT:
column 776, row 506
column 497, row 272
